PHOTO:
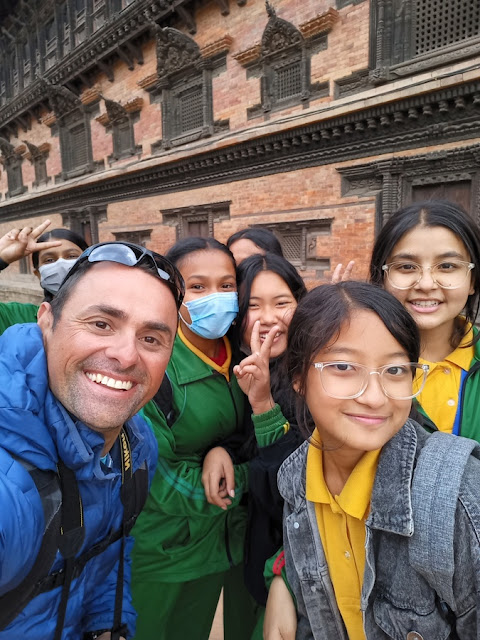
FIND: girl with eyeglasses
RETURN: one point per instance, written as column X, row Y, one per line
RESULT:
column 186, row 550
column 428, row 256
column 381, row 519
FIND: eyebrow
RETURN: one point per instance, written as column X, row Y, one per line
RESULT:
column 441, row 256
column 280, row 295
column 114, row 312
column 354, row 352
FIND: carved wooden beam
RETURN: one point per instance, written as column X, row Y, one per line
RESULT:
column 135, row 51
column 106, row 68
column 126, row 57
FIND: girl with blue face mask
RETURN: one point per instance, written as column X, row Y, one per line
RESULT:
column 186, row 550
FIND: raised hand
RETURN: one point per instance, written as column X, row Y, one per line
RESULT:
column 253, row 372
column 338, row 276
column 18, row 243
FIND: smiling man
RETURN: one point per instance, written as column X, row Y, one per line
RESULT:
column 74, row 457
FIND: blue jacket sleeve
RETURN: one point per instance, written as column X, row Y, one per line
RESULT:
column 21, row 522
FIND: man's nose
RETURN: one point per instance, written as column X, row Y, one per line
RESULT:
column 124, row 349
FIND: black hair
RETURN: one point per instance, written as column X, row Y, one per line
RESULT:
column 184, row 247
column 59, row 234
column 433, row 213
column 322, row 313
column 262, row 238
column 248, row 270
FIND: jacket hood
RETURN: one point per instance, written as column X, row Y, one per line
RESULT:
column 33, row 424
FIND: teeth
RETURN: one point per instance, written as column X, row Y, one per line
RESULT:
column 109, row 382
column 425, row 303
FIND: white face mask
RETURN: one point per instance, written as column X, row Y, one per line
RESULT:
column 211, row 316
column 53, row 274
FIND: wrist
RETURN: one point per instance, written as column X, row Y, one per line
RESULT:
column 263, row 407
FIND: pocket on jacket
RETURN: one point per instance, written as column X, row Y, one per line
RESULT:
column 398, row 622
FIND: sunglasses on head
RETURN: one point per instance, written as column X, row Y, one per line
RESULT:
column 131, row 255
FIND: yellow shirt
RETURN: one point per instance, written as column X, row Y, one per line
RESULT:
column 341, row 524
column 440, row 396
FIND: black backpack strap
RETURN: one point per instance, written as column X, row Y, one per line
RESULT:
column 48, row 487
column 72, row 535
column 164, row 400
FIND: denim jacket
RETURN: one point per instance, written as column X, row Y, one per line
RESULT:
column 397, row 600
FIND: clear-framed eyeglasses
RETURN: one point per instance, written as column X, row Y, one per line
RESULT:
column 348, row 380
column 448, row 274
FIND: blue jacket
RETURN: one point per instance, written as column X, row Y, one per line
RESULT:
column 35, row 427
column 398, row 600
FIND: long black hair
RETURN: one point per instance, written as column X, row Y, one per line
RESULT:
column 322, row 313
column 433, row 213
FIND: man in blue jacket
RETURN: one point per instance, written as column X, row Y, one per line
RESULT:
column 69, row 391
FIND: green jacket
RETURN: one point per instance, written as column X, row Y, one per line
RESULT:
column 180, row 536
column 469, row 401
column 15, row 313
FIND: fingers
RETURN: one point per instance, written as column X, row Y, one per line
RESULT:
column 348, row 270
column 255, row 344
column 39, row 246
column 229, row 478
column 12, row 234
column 336, row 273
column 35, row 233
column 24, row 234
column 267, row 343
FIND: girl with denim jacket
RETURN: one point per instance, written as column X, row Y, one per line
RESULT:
column 360, row 557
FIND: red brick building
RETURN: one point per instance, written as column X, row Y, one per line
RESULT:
column 154, row 119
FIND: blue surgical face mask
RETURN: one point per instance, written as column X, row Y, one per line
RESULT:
column 211, row 316
column 53, row 274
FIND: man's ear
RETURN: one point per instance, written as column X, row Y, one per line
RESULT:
column 45, row 317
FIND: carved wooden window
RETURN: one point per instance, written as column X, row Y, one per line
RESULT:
column 284, row 63
column 123, row 139
column 64, row 27
column 15, row 75
column 452, row 21
column 15, row 178
column 85, row 221
column 422, row 33
column 75, row 144
column 185, row 85
column 50, row 34
column 197, row 220
column 27, row 64
column 80, row 21
column 40, row 166
column 99, row 13
column 299, row 242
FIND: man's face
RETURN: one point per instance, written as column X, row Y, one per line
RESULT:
column 108, row 351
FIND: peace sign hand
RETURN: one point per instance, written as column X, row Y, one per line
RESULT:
column 253, row 372
column 18, row 243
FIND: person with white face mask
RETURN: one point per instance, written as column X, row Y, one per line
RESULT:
column 186, row 550
column 53, row 254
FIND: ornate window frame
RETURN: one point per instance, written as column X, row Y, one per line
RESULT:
column 391, row 181
column 181, row 216
column 299, row 241
column 12, row 161
column 119, row 119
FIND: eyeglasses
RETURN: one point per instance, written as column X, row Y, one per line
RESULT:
column 131, row 255
column 449, row 274
column 348, row 380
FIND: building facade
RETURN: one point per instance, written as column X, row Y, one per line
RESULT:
column 150, row 120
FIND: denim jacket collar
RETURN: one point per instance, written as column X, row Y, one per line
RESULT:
column 391, row 503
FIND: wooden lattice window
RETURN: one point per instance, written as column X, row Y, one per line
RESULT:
column 80, row 21
column 197, row 220
column 187, row 110
column 299, row 241
column 440, row 23
column 15, row 178
column 123, row 138
column 287, row 81
column 27, row 64
column 50, row 35
column 99, row 13
column 75, row 143
column 40, row 166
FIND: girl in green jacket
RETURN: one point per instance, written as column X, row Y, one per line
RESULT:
column 186, row 549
